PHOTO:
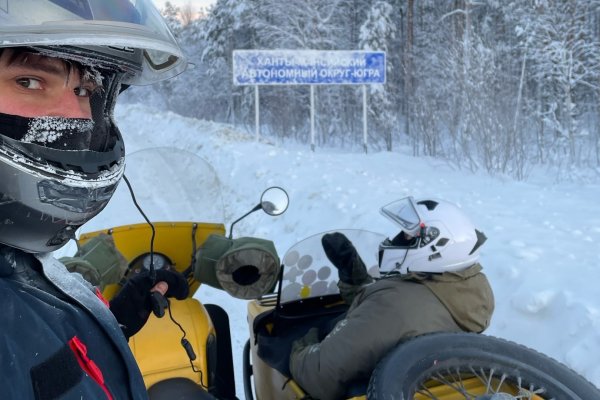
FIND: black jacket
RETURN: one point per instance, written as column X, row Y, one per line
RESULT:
column 58, row 339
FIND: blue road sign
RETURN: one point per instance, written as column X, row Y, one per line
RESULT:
column 308, row 67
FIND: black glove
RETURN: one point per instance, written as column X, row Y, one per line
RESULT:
column 133, row 304
column 311, row 337
column 342, row 254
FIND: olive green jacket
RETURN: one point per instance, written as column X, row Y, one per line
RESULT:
column 384, row 313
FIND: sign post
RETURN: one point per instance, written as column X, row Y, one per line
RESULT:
column 309, row 67
column 312, row 117
column 364, row 90
column 256, row 113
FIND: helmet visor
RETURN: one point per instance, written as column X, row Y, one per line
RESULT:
column 120, row 24
column 404, row 213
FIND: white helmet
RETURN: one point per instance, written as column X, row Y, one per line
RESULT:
column 435, row 237
column 48, row 188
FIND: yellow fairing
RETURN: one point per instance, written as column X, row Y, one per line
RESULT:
column 173, row 239
column 157, row 347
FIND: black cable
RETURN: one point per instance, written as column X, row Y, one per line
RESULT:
column 184, row 342
column 188, row 347
column 152, row 271
column 188, row 273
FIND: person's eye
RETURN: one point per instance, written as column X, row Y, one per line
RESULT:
column 30, row 83
column 84, row 91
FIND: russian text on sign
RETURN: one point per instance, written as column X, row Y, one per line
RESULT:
column 307, row 67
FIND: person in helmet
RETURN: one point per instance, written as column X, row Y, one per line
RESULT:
column 430, row 281
column 62, row 65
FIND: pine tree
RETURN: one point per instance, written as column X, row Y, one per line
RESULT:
column 377, row 32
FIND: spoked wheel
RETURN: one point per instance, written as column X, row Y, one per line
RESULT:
column 478, row 383
column 463, row 366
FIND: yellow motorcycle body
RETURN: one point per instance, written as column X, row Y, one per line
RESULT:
column 157, row 347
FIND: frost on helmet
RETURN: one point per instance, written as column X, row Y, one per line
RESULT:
column 435, row 236
column 59, row 132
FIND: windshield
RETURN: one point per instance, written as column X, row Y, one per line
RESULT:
column 404, row 213
column 307, row 272
column 170, row 185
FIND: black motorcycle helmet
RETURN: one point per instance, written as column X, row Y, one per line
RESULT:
column 57, row 173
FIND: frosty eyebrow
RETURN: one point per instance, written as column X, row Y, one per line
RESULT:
column 49, row 68
column 57, row 69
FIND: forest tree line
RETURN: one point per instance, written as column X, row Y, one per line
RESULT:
column 492, row 85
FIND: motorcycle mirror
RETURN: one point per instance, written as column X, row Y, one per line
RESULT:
column 274, row 201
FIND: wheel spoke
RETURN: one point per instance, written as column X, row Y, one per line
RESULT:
column 492, row 382
column 453, row 384
column 500, row 383
column 426, row 392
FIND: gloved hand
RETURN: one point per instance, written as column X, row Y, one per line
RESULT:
column 133, row 304
column 311, row 337
column 342, row 254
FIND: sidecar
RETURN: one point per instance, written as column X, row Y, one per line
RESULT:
column 449, row 366
column 308, row 297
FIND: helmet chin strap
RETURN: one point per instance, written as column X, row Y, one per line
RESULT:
column 396, row 269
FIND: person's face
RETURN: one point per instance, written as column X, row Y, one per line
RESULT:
column 37, row 86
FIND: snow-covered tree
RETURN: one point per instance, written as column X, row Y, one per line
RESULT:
column 377, row 33
column 480, row 83
column 171, row 15
column 229, row 27
column 565, row 64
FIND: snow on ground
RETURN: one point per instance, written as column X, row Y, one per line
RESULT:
column 541, row 256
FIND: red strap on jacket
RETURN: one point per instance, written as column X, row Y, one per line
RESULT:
column 102, row 298
column 88, row 365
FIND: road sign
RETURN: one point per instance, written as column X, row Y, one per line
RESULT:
column 308, row 67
